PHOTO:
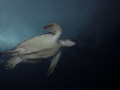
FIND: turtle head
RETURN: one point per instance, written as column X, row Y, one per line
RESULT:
column 68, row 42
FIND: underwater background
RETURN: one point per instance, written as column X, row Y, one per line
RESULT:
column 93, row 63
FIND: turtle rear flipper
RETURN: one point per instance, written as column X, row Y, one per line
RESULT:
column 39, row 60
column 8, row 52
column 13, row 62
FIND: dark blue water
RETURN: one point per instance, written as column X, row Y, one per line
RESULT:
column 92, row 64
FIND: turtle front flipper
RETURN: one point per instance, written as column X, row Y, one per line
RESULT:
column 54, row 63
column 55, row 29
column 13, row 62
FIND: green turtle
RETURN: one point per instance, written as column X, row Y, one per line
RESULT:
column 39, row 48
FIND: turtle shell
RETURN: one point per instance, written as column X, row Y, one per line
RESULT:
column 37, row 43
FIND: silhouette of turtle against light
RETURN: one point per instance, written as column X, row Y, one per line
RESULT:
column 39, row 48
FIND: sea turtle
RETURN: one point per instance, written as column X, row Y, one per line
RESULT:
column 38, row 48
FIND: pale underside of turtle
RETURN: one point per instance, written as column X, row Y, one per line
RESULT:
column 37, row 49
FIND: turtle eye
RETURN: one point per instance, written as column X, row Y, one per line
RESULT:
column 73, row 40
